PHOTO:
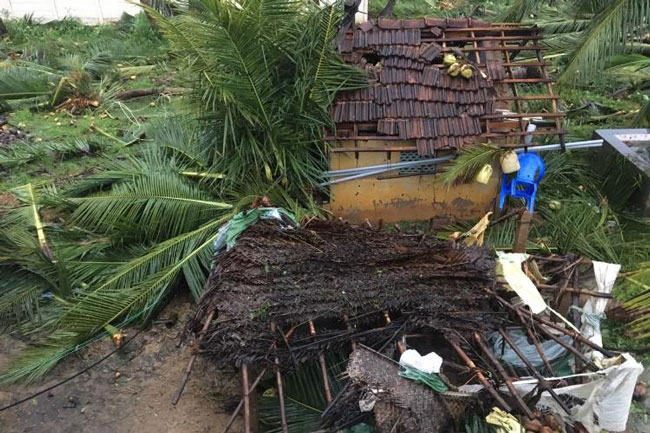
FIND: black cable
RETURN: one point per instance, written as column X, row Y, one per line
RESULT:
column 95, row 364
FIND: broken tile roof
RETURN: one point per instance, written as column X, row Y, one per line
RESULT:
column 410, row 94
column 412, row 97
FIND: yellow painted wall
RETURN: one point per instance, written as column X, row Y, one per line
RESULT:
column 405, row 198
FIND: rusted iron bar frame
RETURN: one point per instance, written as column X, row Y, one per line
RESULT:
column 535, row 340
column 479, row 375
column 401, row 344
column 195, row 352
column 565, row 284
column 549, row 90
column 589, row 364
column 348, row 325
column 257, row 380
column 247, row 401
column 575, row 302
column 280, row 385
column 323, row 367
column 504, row 375
column 234, row 414
column 571, row 333
column 543, row 384
column 513, row 89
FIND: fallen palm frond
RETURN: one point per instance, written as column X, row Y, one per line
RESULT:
column 305, row 401
column 614, row 24
column 468, row 163
column 27, row 151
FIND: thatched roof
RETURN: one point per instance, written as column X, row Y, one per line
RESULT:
column 330, row 270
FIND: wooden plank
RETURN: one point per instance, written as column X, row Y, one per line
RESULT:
column 502, row 48
column 524, row 63
column 374, row 149
column 525, row 80
column 514, row 28
column 521, row 235
column 521, row 115
column 365, row 138
column 483, row 38
column 527, row 98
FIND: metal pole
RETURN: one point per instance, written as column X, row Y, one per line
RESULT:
column 395, row 165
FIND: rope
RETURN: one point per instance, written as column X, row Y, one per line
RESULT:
column 49, row 388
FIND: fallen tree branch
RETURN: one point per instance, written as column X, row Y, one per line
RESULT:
column 139, row 93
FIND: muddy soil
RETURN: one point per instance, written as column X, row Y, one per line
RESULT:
column 129, row 392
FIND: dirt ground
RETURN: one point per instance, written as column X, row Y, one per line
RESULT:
column 129, row 392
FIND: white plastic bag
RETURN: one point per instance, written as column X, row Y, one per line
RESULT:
column 430, row 363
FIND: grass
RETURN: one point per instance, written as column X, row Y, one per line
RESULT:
column 66, row 146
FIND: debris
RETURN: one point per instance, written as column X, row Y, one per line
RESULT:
column 429, row 363
column 504, row 422
column 640, row 392
column 603, row 403
column 401, row 403
column 286, row 294
column 331, row 269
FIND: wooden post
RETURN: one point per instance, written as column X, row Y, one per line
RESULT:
column 521, row 235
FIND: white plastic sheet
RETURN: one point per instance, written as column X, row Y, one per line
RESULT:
column 429, row 363
column 594, row 309
column 607, row 398
column 510, row 266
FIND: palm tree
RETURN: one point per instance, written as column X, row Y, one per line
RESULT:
column 264, row 74
column 589, row 31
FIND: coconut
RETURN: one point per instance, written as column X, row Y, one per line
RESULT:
column 454, row 69
column 449, row 59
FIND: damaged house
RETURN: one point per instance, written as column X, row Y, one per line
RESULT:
column 354, row 307
column 414, row 110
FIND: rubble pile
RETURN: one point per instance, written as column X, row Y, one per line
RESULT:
column 436, row 334
column 329, row 271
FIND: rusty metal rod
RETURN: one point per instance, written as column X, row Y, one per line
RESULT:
column 278, row 379
column 234, row 414
column 401, row 344
column 506, row 378
column 537, row 344
column 247, row 401
column 195, row 352
column 323, row 367
column 505, row 406
column 257, row 380
column 570, row 348
column 348, row 325
column 543, row 384
column 571, row 333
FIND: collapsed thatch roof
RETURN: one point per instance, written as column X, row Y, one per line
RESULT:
column 330, row 270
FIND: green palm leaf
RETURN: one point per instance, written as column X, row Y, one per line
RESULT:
column 608, row 34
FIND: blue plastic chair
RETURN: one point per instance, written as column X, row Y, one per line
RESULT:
column 526, row 182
